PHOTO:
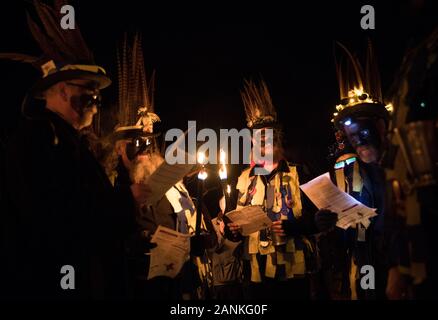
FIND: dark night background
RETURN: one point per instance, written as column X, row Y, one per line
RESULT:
column 202, row 53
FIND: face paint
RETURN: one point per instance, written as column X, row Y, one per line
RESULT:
column 364, row 137
column 362, row 132
column 82, row 103
column 138, row 146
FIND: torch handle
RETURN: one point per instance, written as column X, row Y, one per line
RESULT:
column 199, row 207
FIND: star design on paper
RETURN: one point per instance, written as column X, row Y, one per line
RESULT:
column 169, row 266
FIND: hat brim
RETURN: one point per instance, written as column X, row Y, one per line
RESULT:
column 130, row 134
column 363, row 110
column 101, row 80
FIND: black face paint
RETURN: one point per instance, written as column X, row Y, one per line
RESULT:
column 85, row 101
column 137, row 146
column 362, row 132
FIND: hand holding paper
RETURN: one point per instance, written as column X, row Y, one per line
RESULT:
column 325, row 195
column 250, row 219
column 170, row 254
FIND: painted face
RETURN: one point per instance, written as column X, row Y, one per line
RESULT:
column 85, row 100
column 263, row 141
column 138, row 146
column 366, row 137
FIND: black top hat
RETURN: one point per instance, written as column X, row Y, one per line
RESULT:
column 65, row 54
column 93, row 73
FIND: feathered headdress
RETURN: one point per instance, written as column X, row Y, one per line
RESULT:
column 360, row 90
column 260, row 111
column 65, row 55
column 136, row 104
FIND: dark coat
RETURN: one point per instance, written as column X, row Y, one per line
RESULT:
column 61, row 210
column 339, row 246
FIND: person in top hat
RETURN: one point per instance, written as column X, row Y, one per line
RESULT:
column 361, row 123
column 65, row 223
column 275, row 259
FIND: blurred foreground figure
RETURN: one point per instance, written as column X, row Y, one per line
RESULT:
column 412, row 173
column 64, row 223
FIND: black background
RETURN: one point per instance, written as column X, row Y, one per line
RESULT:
column 201, row 53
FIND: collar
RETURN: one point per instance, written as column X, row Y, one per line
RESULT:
column 282, row 166
column 345, row 160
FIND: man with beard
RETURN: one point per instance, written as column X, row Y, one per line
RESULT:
column 275, row 260
column 175, row 210
column 361, row 122
column 64, row 224
column 134, row 158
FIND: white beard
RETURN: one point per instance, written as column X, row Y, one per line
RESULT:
column 143, row 167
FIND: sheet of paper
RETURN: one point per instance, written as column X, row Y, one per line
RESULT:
column 167, row 175
column 164, row 178
column 250, row 219
column 170, row 254
column 325, row 195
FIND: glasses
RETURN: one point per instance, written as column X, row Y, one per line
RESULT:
column 138, row 146
column 88, row 99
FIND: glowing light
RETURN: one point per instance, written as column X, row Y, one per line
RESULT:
column 335, row 114
column 223, row 173
column 228, row 189
column 202, row 175
column 358, row 92
column 137, row 143
column 223, row 167
column 201, row 157
column 390, row 108
column 351, row 100
column 423, row 104
column 222, row 156
column 339, row 107
column 347, row 122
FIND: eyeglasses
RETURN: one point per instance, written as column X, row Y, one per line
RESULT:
column 88, row 99
column 137, row 146
column 92, row 99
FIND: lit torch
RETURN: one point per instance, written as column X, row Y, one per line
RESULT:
column 202, row 175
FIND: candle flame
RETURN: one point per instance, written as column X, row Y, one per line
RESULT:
column 222, row 156
column 201, row 157
column 202, row 175
column 223, row 172
column 223, row 167
column 228, row 189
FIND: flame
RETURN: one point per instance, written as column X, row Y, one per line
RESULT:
column 201, row 157
column 223, row 168
column 202, row 175
column 222, row 156
column 223, row 173
column 228, row 189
